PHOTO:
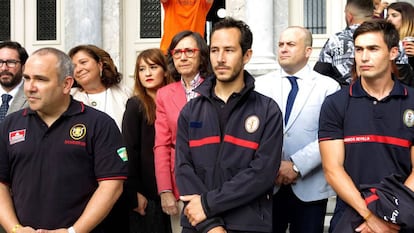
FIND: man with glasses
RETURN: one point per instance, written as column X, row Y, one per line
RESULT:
column 12, row 59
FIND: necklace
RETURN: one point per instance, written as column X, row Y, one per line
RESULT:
column 94, row 100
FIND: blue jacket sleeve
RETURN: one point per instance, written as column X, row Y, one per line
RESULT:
column 184, row 164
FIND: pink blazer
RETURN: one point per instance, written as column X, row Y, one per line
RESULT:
column 170, row 100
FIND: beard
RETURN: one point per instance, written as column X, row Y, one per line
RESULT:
column 9, row 83
column 235, row 73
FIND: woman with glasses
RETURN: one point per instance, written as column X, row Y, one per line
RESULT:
column 189, row 63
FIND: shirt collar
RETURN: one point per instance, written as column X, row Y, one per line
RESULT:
column 356, row 90
column 13, row 92
column 194, row 83
column 301, row 74
column 353, row 27
column 206, row 88
column 75, row 107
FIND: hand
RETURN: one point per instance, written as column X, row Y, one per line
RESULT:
column 218, row 229
column 194, row 210
column 286, row 174
column 377, row 225
column 383, row 5
column 142, row 204
column 169, row 203
column 409, row 48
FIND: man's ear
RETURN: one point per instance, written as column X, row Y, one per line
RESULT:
column 393, row 53
column 308, row 51
column 247, row 56
column 349, row 17
column 67, row 84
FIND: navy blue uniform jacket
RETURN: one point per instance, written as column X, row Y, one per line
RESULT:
column 233, row 171
column 390, row 200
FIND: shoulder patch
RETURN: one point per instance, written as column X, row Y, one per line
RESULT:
column 17, row 136
column 408, row 118
column 251, row 124
column 122, row 152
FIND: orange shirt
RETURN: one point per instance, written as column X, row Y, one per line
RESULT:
column 183, row 15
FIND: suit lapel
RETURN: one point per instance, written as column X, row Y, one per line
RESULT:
column 19, row 101
column 178, row 95
column 300, row 101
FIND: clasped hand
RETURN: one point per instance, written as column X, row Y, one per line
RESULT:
column 194, row 210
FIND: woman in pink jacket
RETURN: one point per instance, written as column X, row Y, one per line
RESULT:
column 189, row 63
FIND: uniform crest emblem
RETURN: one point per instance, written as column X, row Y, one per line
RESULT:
column 408, row 118
column 252, row 124
column 78, row 131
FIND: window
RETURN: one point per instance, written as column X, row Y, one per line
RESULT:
column 150, row 18
column 5, row 19
column 46, row 20
column 315, row 16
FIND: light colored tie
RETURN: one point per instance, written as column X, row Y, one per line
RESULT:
column 291, row 97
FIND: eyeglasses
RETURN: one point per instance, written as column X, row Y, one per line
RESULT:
column 9, row 63
column 177, row 53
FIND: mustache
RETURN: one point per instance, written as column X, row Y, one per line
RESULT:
column 6, row 73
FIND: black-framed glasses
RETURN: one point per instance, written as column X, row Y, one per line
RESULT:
column 177, row 53
column 9, row 63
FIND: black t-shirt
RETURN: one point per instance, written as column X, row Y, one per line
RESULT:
column 53, row 171
column 378, row 134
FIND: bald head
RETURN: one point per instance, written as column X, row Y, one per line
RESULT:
column 304, row 33
column 295, row 48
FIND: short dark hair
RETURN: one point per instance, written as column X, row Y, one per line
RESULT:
column 363, row 5
column 64, row 66
column 388, row 30
column 23, row 55
column 205, row 67
column 246, row 38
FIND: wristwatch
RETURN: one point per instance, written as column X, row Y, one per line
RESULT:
column 295, row 169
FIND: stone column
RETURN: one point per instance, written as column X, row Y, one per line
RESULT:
column 259, row 16
column 83, row 23
column 111, row 25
